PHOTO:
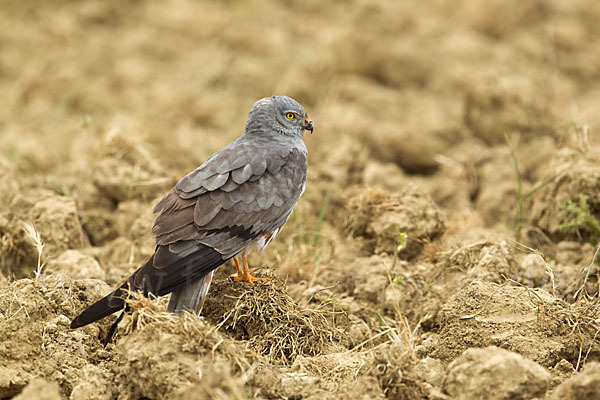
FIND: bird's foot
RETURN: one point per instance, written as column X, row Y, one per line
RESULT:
column 250, row 278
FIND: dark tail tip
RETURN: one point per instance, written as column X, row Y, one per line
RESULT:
column 112, row 330
column 100, row 309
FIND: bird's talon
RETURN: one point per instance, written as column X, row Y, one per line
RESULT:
column 250, row 278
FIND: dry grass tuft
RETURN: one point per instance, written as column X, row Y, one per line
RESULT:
column 462, row 258
column 197, row 334
column 584, row 319
column 151, row 310
column 268, row 318
column 583, row 316
column 392, row 361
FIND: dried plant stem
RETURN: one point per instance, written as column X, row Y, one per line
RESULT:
column 35, row 237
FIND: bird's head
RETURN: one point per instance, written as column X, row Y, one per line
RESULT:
column 280, row 114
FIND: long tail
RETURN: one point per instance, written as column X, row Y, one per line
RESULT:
column 110, row 304
column 191, row 296
column 186, row 275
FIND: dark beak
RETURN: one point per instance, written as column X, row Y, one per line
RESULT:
column 308, row 125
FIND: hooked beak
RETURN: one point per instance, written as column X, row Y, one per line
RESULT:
column 308, row 125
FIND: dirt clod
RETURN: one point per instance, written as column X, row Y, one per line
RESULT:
column 37, row 310
column 495, row 373
column 40, row 389
column 585, row 385
column 569, row 208
column 77, row 265
column 495, row 107
column 379, row 218
column 56, row 218
column 484, row 314
column 94, row 382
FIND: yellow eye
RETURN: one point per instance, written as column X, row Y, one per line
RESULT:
column 290, row 115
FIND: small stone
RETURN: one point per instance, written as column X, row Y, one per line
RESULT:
column 63, row 320
column 534, row 270
column 50, row 327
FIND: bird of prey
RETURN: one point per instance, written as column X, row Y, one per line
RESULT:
column 237, row 201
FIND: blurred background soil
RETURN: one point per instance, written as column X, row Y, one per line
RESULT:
column 445, row 245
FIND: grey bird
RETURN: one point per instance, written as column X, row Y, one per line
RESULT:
column 235, row 202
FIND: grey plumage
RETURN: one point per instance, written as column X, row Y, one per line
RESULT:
column 240, row 196
column 192, row 296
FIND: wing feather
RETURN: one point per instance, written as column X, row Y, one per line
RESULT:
column 205, row 211
column 222, row 198
column 242, row 174
column 236, row 195
column 230, row 185
column 215, row 181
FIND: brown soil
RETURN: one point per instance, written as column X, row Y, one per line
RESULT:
column 446, row 243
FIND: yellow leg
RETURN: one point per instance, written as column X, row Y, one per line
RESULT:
column 238, row 268
column 247, row 272
column 244, row 274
